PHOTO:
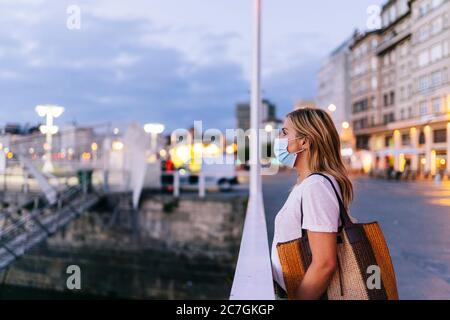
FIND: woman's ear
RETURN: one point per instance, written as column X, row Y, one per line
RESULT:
column 305, row 143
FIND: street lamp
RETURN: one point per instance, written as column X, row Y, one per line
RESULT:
column 154, row 129
column 50, row 112
column 332, row 108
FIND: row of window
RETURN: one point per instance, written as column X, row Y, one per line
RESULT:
column 439, row 136
column 364, row 67
column 433, row 28
column 426, row 6
column 364, row 48
column 434, row 106
column 394, row 11
column 435, row 53
column 433, row 80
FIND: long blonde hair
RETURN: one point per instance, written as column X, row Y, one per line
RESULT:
column 325, row 146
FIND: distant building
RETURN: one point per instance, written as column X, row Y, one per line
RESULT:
column 19, row 129
column 305, row 104
column 333, row 92
column 268, row 115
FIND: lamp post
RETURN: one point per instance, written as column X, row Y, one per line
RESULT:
column 154, row 129
column 50, row 112
column 255, row 169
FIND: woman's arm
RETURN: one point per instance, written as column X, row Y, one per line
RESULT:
column 317, row 278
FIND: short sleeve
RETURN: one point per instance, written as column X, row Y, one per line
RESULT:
column 320, row 207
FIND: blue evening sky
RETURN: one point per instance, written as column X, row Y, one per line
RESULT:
column 171, row 61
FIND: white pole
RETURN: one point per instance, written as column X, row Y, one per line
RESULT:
column 255, row 170
column 176, row 184
column 48, row 166
column 201, row 185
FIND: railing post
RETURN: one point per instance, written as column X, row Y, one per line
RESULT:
column 176, row 184
column 201, row 185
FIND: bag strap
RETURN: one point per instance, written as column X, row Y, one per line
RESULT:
column 343, row 214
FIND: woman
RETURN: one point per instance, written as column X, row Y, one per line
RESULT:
column 309, row 142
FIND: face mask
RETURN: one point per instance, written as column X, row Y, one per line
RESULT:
column 282, row 154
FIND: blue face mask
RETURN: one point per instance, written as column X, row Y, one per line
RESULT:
column 280, row 149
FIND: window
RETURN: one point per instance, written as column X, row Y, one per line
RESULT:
column 374, row 43
column 437, row 3
column 402, row 93
column 423, row 108
column 436, row 26
column 421, row 138
column 436, row 103
column 393, row 13
column 436, row 78
column 445, row 50
column 423, row 83
column 436, row 52
column 388, row 141
column 374, row 63
column 403, row 7
column 424, row 8
column 386, row 100
column 406, row 139
column 440, row 136
column 424, row 33
column 423, row 58
column 392, row 97
column 374, row 83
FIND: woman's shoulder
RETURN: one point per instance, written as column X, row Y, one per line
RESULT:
column 318, row 180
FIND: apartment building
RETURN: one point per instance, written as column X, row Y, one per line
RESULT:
column 431, row 82
column 396, row 88
column 333, row 92
column 364, row 83
column 400, row 88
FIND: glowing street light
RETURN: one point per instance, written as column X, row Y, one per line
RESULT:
column 332, row 108
column 268, row 128
column 50, row 112
column 345, row 125
column 154, row 129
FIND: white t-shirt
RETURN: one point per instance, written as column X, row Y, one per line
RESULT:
column 320, row 210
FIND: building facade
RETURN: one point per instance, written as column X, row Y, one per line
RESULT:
column 333, row 92
column 364, row 87
column 268, row 115
column 400, row 88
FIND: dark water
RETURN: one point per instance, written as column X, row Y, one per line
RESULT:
column 8, row 292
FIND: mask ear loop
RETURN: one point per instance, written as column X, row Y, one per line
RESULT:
column 301, row 150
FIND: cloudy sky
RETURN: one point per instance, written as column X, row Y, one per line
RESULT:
column 172, row 61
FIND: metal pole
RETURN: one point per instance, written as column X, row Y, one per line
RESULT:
column 255, row 170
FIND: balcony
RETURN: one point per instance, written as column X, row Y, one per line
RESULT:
column 393, row 40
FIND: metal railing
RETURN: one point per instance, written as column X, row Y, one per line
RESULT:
column 37, row 220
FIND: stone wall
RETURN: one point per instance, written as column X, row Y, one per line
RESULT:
column 171, row 249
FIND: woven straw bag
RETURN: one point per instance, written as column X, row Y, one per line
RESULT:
column 360, row 246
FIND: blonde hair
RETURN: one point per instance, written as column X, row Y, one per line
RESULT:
column 325, row 147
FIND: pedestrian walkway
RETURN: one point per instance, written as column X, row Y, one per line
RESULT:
column 415, row 217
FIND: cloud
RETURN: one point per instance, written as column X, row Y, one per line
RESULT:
column 158, row 60
column 104, row 73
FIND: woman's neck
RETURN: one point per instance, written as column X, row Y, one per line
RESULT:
column 303, row 174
